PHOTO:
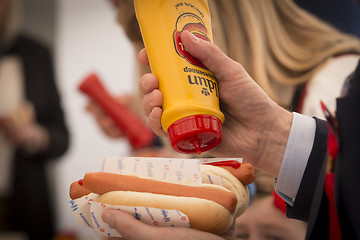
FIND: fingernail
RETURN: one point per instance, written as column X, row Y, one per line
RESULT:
column 151, row 116
column 194, row 37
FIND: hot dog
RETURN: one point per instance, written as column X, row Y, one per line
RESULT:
column 77, row 190
column 244, row 172
column 209, row 207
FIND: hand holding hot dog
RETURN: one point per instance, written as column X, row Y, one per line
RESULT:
column 253, row 120
column 132, row 229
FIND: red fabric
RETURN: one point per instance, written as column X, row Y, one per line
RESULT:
column 279, row 203
column 334, row 224
column 332, row 145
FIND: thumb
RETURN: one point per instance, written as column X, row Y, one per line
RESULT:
column 129, row 227
column 212, row 57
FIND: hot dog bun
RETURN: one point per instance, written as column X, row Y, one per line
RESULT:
column 231, row 183
column 203, row 214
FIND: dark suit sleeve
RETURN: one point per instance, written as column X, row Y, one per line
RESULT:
column 42, row 92
column 311, row 203
column 313, row 176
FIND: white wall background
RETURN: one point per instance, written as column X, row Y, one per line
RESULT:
column 87, row 39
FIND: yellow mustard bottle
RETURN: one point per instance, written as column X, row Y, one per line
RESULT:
column 191, row 114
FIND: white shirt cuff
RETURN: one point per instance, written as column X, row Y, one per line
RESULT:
column 296, row 155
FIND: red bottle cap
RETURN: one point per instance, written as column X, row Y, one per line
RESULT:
column 195, row 134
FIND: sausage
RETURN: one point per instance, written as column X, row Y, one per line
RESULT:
column 244, row 172
column 77, row 190
column 103, row 182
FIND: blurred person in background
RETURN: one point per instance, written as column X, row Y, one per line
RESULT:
column 32, row 130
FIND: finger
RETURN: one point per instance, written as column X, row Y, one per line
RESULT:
column 115, row 133
column 111, row 238
column 109, row 127
column 211, row 56
column 155, row 121
column 148, row 82
column 143, row 58
column 94, row 108
column 231, row 231
column 128, row 226
column 105, row 121
column 125, row 99
column 151, row 100
column 131, row 228
column 27, row 110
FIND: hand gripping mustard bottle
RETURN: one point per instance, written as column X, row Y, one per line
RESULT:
column 191, row 114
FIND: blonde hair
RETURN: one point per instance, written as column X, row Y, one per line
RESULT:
column 275, row 40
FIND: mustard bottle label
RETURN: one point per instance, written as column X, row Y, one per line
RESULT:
column 188, row 87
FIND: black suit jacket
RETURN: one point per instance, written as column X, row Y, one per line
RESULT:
column 311, row 203
column 30, row 205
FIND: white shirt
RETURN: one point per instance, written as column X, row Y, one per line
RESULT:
column 296, row 155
